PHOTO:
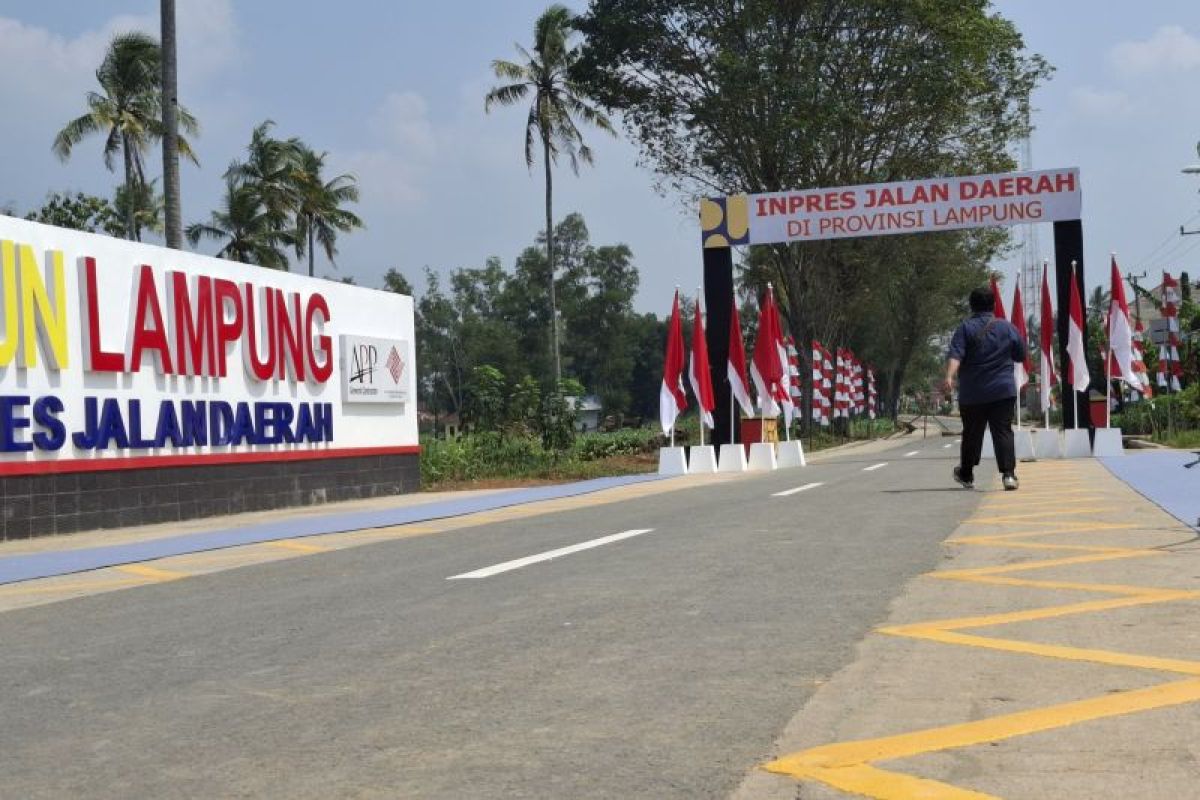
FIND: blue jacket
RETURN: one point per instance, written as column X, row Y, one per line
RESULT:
column 986, row 371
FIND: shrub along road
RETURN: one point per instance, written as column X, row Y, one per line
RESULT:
column 651, row 648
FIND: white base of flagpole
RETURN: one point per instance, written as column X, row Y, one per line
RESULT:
column 1108, row 443
column 989, row 449
column 1023, row 443
column 671, row 461
column 733, row 458
column 762, row 457
column 791, row 454
column 1076, row 443
column 1047, row 443
column 702, row 460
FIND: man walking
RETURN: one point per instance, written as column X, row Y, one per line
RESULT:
column 982, row 353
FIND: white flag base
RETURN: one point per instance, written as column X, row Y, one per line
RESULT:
column 1047, row 443
column 1108, row 443
column 1023, row 444
column 762, row 457
column 1076, row 443
column 671, row 461
column 733, row 458
column 702, row 460
column 791, row 454
column 989, row 449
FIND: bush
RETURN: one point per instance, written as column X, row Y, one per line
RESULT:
column 631, row 441
column 1176, row 412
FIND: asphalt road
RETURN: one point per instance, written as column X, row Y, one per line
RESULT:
column 659, row 665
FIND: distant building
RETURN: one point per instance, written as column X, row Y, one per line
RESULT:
column 587, row 412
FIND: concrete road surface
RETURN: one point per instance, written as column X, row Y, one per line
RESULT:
column 561, row 661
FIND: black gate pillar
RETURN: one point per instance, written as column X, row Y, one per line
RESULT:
column 718, row 300
column 1068, row 247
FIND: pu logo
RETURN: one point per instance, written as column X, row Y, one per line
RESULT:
column 363, row 359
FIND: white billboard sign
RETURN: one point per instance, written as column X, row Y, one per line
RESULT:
column 116, row 354
column 930, row 204
column 374, row 370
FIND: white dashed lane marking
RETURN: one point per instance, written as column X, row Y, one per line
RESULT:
column 487, row 572
column 874, row 467
column 803, row 488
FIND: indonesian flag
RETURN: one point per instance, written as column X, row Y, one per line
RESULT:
column 826, row 386
column 1021, row 369
column 1048, row 376
column 839, row 386
column 767, row 367
column 999, row 310
column 1076, row 354
column 1120, row 334
column 783, row 394
column 735, row 368
column 671, row 399
column 698, row 372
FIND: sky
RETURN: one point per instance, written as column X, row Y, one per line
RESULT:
column 393, row 91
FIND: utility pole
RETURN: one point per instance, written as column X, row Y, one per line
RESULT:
column 1137, row 294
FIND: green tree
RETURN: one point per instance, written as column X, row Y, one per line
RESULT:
column 127, row 111
column 318, row 205
column 140, row 205
column 557, row 103
column 244, row 229
column 80, row 212
column 485, row 398
column 269, row 170
column 394, row 281
column 761, row 96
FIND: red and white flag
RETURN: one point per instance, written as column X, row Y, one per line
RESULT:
column 1169, row 369
column 826, row 386
column 999, row 310
column 1139, row 361
column 767, row 367
column 698, row 372
column 1048, row 375
column 841, row 397
column 1120, row 332
column 872, row 394
column 735, row 368
column 818, row 382
column 1077, row 366
column 671, row 399
column 1021, row 369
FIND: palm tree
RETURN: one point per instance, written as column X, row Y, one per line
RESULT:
column 319, row 215
column 245, row 229
column 557, row 103
column 170, row 126
column 142, row 205
column 270, row 169
column 127, row 111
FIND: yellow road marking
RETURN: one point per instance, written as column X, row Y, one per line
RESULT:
column 154, row 573
column 21, row 589
column 848, row 766
column 993, row 729
column 299, row 547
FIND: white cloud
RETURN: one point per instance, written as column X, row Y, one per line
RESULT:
column 1097, row 102
column 1171, row 48
column 402, row 122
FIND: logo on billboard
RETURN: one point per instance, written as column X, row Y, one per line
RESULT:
column 367, row 365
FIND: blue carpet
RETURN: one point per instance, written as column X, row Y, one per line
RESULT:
column 1159, row 476
column 14, row 569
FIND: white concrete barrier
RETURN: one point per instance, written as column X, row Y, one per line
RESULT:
column 672, row 461
column 1076, row 443
column 702, row 460
column 1047, row 443
column 790, row 454
column 733, row 458
column 762, row 457
column 1108, row 443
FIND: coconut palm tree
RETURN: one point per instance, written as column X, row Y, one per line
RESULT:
column 170, row 126
column 244, row 228
column 270, row 170
column 557, row 102
column 318, row 207
column 127, row 110
column 142, row 204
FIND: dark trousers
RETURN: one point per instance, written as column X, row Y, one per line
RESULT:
column 976, row 419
